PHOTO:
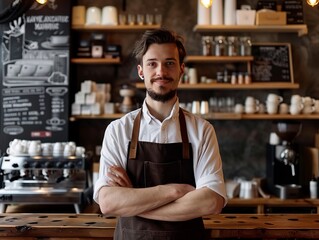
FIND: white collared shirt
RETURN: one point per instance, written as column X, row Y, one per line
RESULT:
column 206, row 157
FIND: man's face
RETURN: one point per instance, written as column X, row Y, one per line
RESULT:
column 161, row 71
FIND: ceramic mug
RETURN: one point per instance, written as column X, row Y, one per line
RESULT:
column 295, row 109
column 248, row 189
column 272, row 107
column 109, row 15
column 93, row 16
column 239, row 108
column 274, row 98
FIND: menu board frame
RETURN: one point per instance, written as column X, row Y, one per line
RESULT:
column 268, row 64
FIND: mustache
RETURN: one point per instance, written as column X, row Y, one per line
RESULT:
column 162, row 78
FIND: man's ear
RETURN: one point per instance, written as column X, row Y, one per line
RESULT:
column 140, row 72
column 182, row 69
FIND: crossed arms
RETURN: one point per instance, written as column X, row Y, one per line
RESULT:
column 170, row 202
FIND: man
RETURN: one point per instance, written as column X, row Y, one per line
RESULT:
column 160, row 167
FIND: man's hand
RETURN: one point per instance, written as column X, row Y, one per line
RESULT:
column 118, row 177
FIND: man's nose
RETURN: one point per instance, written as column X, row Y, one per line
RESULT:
column 161, row 70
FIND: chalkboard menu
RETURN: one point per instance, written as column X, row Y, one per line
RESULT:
column 294, row 10
column 34, row 79
column 272, row 62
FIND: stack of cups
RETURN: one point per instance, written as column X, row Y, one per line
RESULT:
column 272, row 103
column 251, row 105
column 308, row 105
column 296, row 104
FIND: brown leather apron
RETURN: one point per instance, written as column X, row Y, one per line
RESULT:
column 150, row 164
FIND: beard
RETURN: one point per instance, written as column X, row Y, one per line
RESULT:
column 162, row 97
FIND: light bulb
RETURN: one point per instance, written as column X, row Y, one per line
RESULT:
column 42, row 1
column 312, row 2
column 208, row 3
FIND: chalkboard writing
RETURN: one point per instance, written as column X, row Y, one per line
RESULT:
column 272, row 62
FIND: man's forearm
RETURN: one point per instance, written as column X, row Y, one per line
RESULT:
column 188, row 207
column 122, row 201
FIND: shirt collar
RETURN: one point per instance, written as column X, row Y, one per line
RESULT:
column 173, row 114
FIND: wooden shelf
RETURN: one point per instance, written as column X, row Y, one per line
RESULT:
column 259, row 116
column 117, row 28
column 209, row 86
column 300, row 29
column 209, row 59
column 214, row 116
column 96, row 60
column 74, row 118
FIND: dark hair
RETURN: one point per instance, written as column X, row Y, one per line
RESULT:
column 158, row 36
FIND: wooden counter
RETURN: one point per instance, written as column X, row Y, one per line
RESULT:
column 262, row 203
column 94, row 226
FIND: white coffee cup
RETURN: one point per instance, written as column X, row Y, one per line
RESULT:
column 79, row 151
column 196, row 107
column 204, row 107
column 308, row 109
column 47, row 149
column 232, row 188
column 93, row 16
column 239, row 108
column 251, row 108
column 308, row 101
column 34, row 148
column 109, row 15
column 295, row 109
column 274, row 98
column 58, row 149
column 192, row 74
column 272, row 107
column 296, row 99
column 248, row 189
column 251, row 101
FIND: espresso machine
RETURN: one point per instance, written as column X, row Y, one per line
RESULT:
column 283, row 161
column 42, row 179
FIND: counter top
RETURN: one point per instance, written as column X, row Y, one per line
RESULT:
column 95, row 226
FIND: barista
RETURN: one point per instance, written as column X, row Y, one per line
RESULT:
column 160, row 166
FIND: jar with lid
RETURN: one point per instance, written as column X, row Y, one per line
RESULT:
column 220, row 46
column 245, row 46
column 207, row 45
column 232, row 46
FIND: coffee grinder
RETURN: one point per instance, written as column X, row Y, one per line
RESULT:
column 283, row 165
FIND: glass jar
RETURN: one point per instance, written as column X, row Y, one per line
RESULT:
column 232, row 46
column 245, row 46
column 220, row 46
column 207, row 45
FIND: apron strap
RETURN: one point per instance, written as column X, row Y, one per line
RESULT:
column 183, row 129
column 136, row 130
column 135, row 133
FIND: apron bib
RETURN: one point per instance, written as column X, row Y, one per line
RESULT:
column 150, row 164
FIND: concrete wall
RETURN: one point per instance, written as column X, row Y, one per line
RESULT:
column 242, row 143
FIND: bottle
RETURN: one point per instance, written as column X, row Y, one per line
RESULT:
column 313, row 186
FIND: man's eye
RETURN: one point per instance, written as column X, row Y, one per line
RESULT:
column 170, row 63
column 151, row 64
